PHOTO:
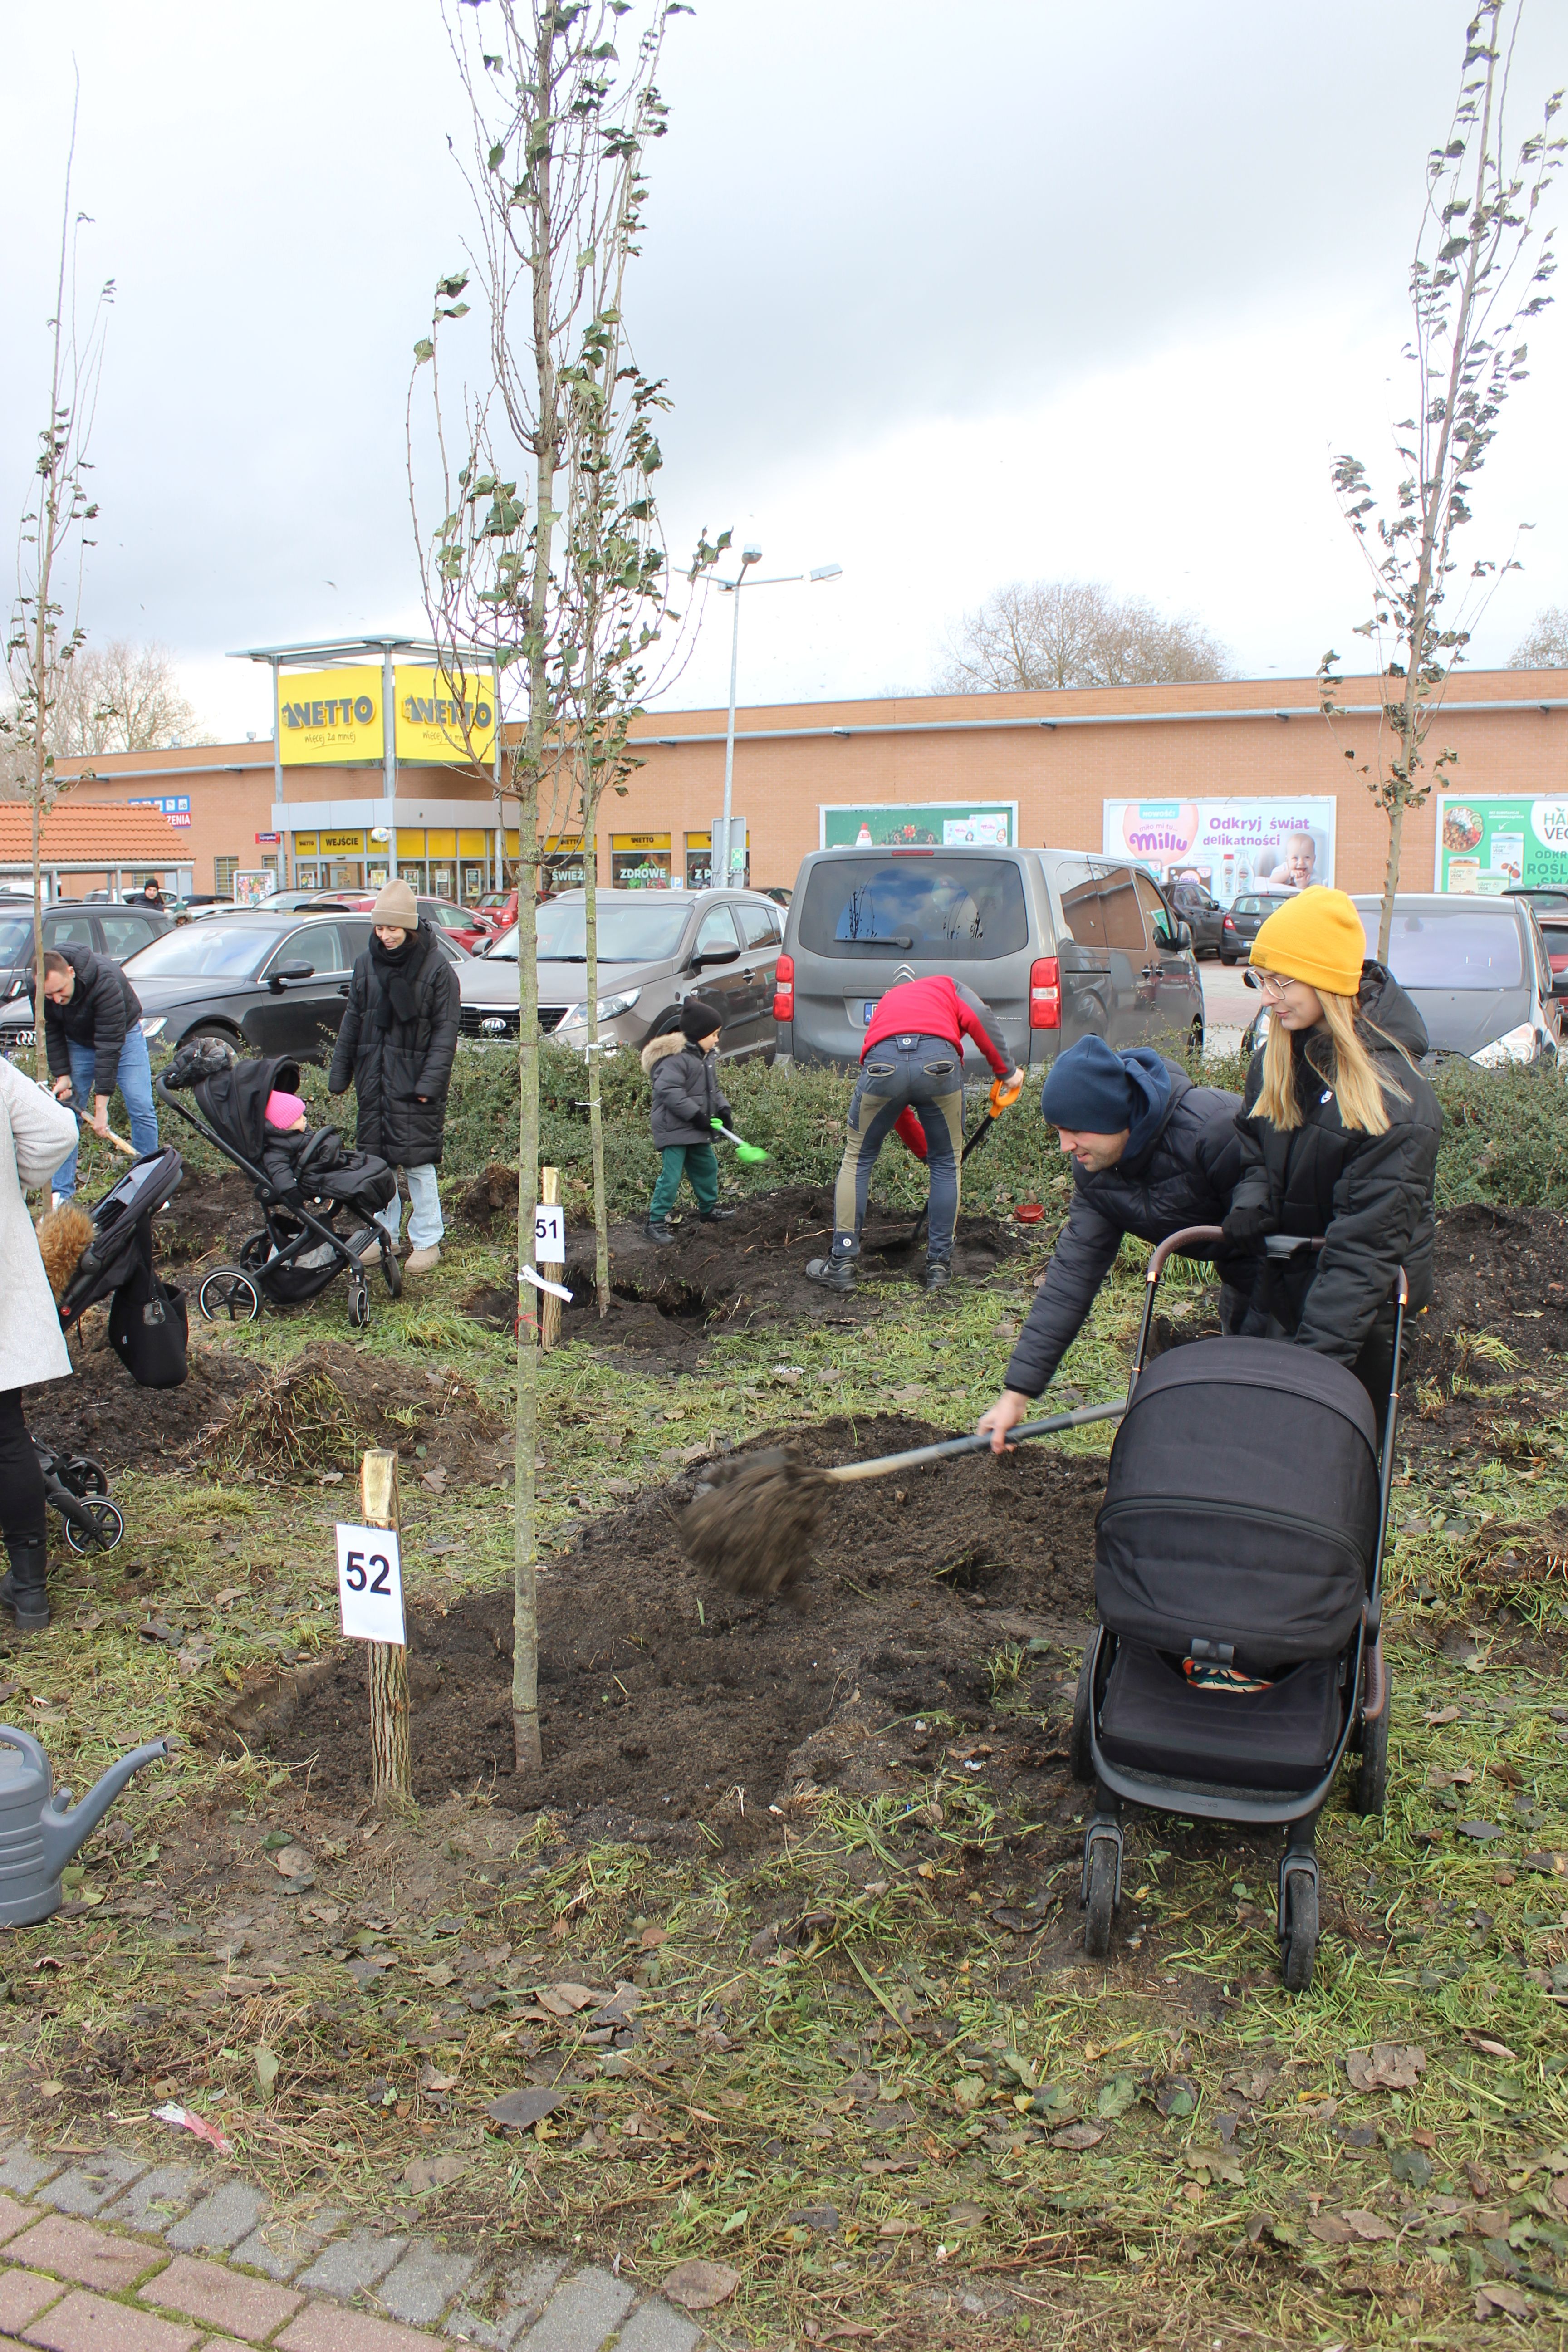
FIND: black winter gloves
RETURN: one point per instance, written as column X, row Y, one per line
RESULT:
column 1247, row 1224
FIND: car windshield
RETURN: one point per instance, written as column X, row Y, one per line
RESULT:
column 215, row 947
column 644, row 933
column 963, row 910
column 1450, row 946
column 15, row 937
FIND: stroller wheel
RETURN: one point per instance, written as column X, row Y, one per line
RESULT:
column 1079, row 1756
column 1299, row 1930
column 359, row 1307
column 229, row 1292
column 392, row 1272
column 255, row 1253
column 108, row 1527
column 1371, row 1778
column 1101, row 1885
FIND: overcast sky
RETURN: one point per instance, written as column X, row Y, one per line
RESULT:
column 949, row 297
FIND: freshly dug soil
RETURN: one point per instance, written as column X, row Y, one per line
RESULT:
column 1500, row 1274
column 665, row 1701
column 322, row 1409
column 738, row 1275
column 209, row 1216
column 103, row 1413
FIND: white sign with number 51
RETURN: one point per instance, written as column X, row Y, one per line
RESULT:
column 370, row 1585
column 550, row 1233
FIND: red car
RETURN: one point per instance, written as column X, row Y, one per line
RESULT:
column 459, row 923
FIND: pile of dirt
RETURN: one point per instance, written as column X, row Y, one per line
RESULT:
column 104, row 1413
column 1498, row 1318
column 322, row 1409
column 665, row 1701
column 747, row 1272
column 209, row 1217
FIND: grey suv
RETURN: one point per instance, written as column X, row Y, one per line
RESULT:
column 656, row 949
column 1059, row 943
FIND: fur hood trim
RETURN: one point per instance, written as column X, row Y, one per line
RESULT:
column 659, row 1049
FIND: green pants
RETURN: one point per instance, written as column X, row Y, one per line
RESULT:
column 701, row 1164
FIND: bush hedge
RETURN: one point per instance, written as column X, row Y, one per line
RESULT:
column 1505, row 1135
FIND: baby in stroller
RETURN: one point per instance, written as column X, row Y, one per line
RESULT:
column 306, row 1180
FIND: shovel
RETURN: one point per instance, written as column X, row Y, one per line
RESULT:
column 1004, row 1093
column 750, row 1155
column 753, row 1530
column 118, row 1140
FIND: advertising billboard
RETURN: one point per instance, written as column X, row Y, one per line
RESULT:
column 920, row 824
column 1231, row 847
column 436, row 723
column 1487, row 845
column 327, row 716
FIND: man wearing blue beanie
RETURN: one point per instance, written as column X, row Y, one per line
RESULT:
column 1151, row 1152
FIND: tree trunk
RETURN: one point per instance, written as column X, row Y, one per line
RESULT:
column 386, row 1663
column 1390, row 880
column 40, row 1048
column 595, row 1097
column 526, row 1753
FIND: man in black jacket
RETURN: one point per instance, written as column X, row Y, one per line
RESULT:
column 92, row 1034
column 1151, row 1153
column 396, row 1047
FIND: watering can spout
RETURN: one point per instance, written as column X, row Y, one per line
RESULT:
column 65, row 1825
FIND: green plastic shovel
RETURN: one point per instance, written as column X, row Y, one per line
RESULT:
column 750, row 1155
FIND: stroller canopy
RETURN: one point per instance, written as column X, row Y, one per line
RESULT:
column 234, row 1101
column 1242, row 1504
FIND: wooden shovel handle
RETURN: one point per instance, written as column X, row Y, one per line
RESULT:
column 886, row 1462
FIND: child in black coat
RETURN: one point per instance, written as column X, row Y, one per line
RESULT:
column 687, row 1102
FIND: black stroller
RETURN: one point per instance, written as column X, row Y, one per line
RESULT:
column 1239, row 1557
column 147, row 1329
column 299, row 1248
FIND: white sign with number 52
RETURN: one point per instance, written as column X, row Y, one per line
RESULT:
column 550, row 1233
column 370, row 1585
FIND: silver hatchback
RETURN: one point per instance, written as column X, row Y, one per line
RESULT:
column 1060, row 944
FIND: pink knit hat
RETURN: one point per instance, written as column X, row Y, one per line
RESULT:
column 282, row 1111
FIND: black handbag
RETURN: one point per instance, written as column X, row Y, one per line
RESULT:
column 148, row 1328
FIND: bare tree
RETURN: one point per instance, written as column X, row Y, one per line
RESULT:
column 121, row 697
column 46, row 633
column 1480, row 270
column 558, row 129
column 1042, row 634
column 1545, row 644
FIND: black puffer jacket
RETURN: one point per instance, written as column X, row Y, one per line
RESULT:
column 396, row 1047
column 1369, row 1196
column 102, row 1009
column 1183, row 1157
column 686, row 1095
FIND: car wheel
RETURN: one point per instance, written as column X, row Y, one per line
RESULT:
column 214, row 1033
column 1226, row 961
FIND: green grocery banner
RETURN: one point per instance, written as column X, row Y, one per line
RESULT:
column 923, row 824
column 1487, row 845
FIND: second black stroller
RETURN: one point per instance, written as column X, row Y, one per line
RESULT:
column 299, row 1248
column 1238, row 1552
column 147, row 1329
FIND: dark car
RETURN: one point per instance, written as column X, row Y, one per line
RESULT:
column 1475, row 969
column 109, row 930
column 1203, row 914
column 262, row 983
column 1239, row 926
column 1552, row 913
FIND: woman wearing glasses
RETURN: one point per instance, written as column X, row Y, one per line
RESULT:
column 1338, row 1133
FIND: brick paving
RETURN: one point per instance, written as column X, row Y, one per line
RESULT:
column 111, row 2253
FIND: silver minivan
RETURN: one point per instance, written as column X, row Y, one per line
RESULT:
column 1059, row 943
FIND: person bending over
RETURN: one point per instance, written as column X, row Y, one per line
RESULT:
column 92, row 1034
column 912, row 1060
column 1151, row 1152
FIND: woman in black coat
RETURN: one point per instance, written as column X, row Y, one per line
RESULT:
column 1339, row 1134
column 395, row 1049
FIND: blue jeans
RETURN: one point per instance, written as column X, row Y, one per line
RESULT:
column 928, row 1073
column 134, row 1080
column 425, row 1225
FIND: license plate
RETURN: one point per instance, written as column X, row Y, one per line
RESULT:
column 869, row 1008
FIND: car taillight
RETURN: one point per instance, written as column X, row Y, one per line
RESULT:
column 784, row 988
column 1227, row 925
column 1045, row 993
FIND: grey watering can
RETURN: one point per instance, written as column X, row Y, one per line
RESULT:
column 40, row 1828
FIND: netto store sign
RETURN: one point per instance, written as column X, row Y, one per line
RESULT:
column 329, row 717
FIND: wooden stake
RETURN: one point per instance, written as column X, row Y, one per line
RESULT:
column 386, row 1666
column 549, row 1305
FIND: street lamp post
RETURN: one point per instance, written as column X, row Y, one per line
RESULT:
column 721, row 858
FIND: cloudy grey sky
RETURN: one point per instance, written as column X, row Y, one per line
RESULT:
column 951, row 297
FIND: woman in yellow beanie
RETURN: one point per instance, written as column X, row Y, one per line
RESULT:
column 1339, row 1132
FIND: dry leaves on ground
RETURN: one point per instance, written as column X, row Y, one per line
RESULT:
column 1387, row 2067
column 701, row 2285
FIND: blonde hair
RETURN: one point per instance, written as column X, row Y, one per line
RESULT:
column 1359, row 1086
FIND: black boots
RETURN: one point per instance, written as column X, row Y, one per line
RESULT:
column 658, row 1230
column 716, row 1216
column 833, row 1273
column 23, row 1590
column 939, row 1273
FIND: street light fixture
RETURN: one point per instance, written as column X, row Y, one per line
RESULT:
column 721, row 858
